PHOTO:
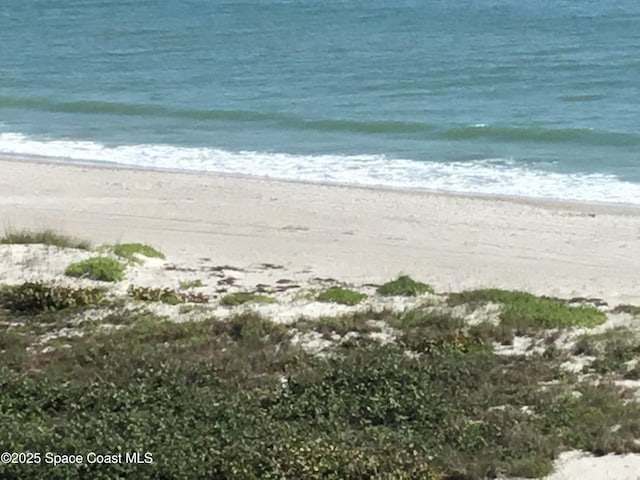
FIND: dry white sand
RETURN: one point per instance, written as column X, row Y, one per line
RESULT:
column 352, row 234
column 580, row 466
column 355, row 234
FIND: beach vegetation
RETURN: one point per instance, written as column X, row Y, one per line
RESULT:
column 46, row 237
column 199, row 308
column 524, row 311
column 129, row 251
column 165, row 295
column 100, row 268
column 340, row 295
column 613, row 350
column 15, row 343
column 427, row 318
column 306, row 293
column 240, row 298
column 38, row 297
column 187, row 284
column 252, row 327
column 128, row 314
column 359, row 322
column 426, row 330
column 236, row 399
column 630, row 309
column 404, row 286
column 490, row 332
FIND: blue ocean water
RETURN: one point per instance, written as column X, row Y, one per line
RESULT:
column 537, row 98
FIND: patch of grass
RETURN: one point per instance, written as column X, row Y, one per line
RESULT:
column 306, row 294
column 104, row 269
column 186, row 309
column 426, row 330
column 421, row 317
column 47, row 237
column 524, row 311
column 14, row 342
column 597, row 419
column 613, row 350
column 489, row 332
column 340, row 295
column 130, row 250
column 165, row 295
column 37, row 297
column 254, row 328
column 233, row 399
column 127, row 316
column 404, row 286
column 359, row 322
column 187, row 284
column 458, row 405
column 630, row 309
column 239, row 298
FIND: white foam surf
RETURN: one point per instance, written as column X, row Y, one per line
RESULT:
column 487, row 176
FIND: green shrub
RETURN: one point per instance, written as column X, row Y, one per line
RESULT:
column 129, row 251
column 165, row 295
column 47, row 237
column 239, row 298
column 14, row 346
column 97, row 268
column 235, row 400
column 421, row 317
column 343, row 296
column 524, row 310
column 187, row 284
column 429, row 331
column 613, row 350
column 459, row 342
column 404, row 286
column 489, row 332
column 35, row 297
column 342, row 324
column 295, row 456
column 252, row 327
column 630, row 309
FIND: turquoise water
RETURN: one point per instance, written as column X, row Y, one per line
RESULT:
column 538, row 98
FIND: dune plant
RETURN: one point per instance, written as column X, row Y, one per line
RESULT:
column 187, row 284
column 165, row 295
column 46, row 237
column 34, row 297
column 404, row 286
column 524, row 310
column 630, row 309
column 613, row 349
column 359, row 321
column 343, row 296
column 104, row 269
column 130, row 250
column 239, row 298
column 235, row 399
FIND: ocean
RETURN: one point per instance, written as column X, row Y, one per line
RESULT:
column 536, row 99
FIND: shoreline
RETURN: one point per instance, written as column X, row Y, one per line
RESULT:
column 554, row 203
column 355, row 233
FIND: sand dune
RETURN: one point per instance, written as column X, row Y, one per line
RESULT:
column 348, row 233
column 356, row 234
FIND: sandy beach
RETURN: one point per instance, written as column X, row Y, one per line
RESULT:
column 256, row 231
column 357, row 234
